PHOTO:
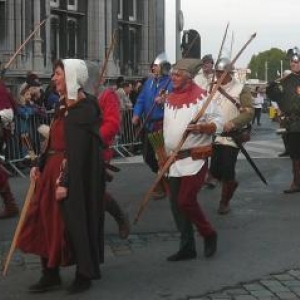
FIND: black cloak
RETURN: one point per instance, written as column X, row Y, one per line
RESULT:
column 83, row 209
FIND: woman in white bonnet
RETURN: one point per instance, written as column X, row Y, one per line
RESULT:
column 64, row 226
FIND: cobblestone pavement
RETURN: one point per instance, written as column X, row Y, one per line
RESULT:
column 282, row 286
column 114, row 246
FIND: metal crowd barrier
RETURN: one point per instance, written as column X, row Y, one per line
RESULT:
column 25, row 138
column 16, row 151
column 126, row 140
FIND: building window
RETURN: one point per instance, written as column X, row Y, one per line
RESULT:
column 133, row 49
column 72, row 38
column 54, row 39
column 132, row 10
column 54, row 3
column 120, row 9
column 72, row 5
column 129, row 49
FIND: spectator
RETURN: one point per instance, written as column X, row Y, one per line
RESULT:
column 123, row 93
column 136, row 89
column 257, row 103
column 25, row 112
column 51, row 97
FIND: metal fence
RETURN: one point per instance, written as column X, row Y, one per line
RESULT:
column 26, row 135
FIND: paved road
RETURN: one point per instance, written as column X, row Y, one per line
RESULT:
column 257, row 258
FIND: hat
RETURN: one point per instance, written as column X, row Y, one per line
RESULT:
column 33, row 80
column 191, row 65
column 207, row 58
column 294, row 54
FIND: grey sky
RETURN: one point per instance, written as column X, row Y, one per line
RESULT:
column 276, row 23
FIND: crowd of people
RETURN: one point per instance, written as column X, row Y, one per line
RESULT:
column 196, row 103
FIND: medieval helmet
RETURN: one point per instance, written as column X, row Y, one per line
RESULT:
column 163, row 62
column 294, row 54
column 224, row 64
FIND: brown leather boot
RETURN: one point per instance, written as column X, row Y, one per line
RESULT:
column 228, row 189
column 114, row 209
column 10, row 206
column 295, row 185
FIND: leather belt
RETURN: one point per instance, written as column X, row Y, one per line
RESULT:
column 196, row 153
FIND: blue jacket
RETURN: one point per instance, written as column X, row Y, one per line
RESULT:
column 145, row 99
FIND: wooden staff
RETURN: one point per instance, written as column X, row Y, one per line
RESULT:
column 171, row 158
column 107, row 55
column 28, row 198
column 219, row 56
column 21, row 47
column 12, row 248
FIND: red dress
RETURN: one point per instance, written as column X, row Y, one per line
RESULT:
column 43, row 232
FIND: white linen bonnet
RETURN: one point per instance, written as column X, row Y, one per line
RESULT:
column 76, row 75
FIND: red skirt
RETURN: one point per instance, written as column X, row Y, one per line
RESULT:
column 43, row 232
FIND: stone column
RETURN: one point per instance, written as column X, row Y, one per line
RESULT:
column 95, row 27
column 37, row 41
column 145, row 39
column 10, row 41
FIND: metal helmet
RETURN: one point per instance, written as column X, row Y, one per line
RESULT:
column 294, row 54
column 224, row 64
column 163, row 62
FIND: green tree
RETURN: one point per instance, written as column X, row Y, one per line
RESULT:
column 268, row 62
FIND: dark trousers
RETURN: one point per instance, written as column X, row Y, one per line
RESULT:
column 186, row 209
column 257, row 115
column 149, row 154
column 223, row 161
column 293, row 142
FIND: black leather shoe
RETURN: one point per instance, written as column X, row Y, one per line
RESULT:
column 79, row 285
column 48, row 282
column 182, row 256
column 210, row 245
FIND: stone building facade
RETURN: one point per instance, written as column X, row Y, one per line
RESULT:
column 81, row 29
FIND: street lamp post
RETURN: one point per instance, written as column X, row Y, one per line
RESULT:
column 266, row 71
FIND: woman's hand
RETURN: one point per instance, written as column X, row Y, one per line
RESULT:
column 34, row 173
column 61, row 193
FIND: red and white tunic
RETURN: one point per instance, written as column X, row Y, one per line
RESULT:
column 181, row 108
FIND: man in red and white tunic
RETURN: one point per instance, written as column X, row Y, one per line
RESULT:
column 187, row 173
